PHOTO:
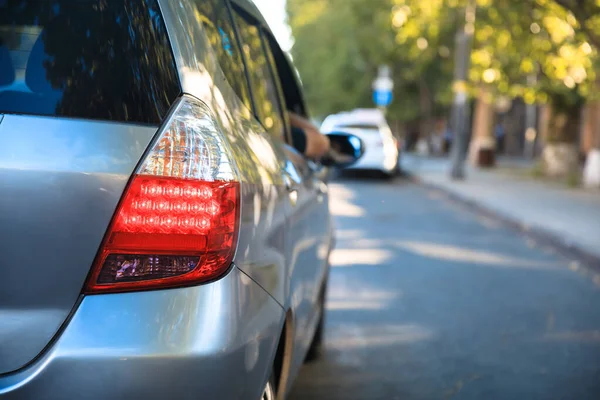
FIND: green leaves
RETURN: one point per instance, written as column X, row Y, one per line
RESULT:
column 340, row 43
column 534, row 49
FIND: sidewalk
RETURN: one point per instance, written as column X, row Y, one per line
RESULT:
column 571, row 216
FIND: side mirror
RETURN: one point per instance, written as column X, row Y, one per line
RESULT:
column 346, row 149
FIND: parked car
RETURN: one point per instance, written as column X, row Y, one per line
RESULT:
column 159, row 237
column 382, row 149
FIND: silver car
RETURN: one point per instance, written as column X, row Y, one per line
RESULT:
column 158, row 236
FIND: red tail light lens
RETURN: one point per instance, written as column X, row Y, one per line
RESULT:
column 176, row 224
column 166, row 208
column 168, row 232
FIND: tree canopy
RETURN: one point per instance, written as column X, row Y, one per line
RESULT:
column 339, row 44
column 539, row 50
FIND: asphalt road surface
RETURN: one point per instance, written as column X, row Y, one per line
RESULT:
column 429, row 300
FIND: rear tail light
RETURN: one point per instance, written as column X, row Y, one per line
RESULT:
column 178, row 221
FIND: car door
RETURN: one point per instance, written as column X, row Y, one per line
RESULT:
column 309, row 238
column 308, row 226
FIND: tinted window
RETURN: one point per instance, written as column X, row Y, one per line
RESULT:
column 264, row 87
column 107, row 60
column 217, row 22
column 277, row 80
column 288, row 77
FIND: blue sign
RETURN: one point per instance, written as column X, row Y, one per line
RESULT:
column 382, row 98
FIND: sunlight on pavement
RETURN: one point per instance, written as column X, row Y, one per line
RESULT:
column 348, row 337
column 340, row 203
column 349, row 234
column 436, row 304
column 350, row 257
column 346, row 297
column 343, row 208
column 461, row 254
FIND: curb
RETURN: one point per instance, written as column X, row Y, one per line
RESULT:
column 566, row 249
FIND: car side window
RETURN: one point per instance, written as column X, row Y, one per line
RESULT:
column 276, row 78
column 265, row 89
column 288, row 76
column 216, row 19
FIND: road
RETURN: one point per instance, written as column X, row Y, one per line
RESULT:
column 428, row 300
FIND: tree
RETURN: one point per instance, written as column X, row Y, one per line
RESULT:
column 587, row 14
column 334, row 73
column 424, row 38
column 542, row 51
column 339, row 45
column 516, row 41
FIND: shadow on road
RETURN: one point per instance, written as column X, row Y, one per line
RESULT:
column 367, row 176
column 427, row 300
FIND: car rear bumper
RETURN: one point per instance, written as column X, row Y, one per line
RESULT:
column 211, row 341
column 378, row 158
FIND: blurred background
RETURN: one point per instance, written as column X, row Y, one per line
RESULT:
column 476, row 273
column 528, row 68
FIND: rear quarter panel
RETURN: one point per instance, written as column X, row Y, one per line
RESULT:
column 260, row 161
column 267, row 215
column 61, row 180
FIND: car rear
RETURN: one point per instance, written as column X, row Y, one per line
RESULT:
column 381, row 149
column 119, row 216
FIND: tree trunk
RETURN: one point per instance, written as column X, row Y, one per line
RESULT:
column 591, row 125
column 560, row 154
column 543, row 122
column 426, row 113
column 590, row 143
column 514, row 123
column 483, row 144
column 563, row 126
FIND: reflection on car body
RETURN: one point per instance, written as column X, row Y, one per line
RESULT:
column 144, row 158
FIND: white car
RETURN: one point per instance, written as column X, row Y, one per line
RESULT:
column 381, row 147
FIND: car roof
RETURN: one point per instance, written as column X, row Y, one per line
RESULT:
column 249, row 7
column 366, row 116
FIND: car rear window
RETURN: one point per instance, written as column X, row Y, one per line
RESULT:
column 93, row 59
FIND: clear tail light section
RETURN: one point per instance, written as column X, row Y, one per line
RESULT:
column 178, row 221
